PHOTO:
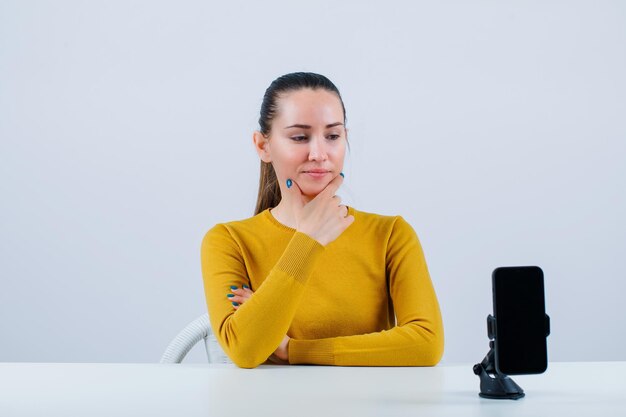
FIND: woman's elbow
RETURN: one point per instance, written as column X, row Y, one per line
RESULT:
column 430, row 350
column 245, row 363
column 431, row 357
column 246, row 358
column 434, row 350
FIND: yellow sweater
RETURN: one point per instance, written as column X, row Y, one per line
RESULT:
column 336, row 302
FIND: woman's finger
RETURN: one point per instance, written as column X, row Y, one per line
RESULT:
column 239, row 296
column 241, row 293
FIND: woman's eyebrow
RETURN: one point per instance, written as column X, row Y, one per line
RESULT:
column 308, row 127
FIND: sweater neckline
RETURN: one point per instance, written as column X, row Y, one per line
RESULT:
column 269, row 216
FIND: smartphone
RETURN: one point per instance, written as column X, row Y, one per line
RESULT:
column 521, row 324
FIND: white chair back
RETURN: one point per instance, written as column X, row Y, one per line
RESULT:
column 199, row 329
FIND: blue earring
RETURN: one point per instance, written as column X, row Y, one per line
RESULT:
column 289, row 183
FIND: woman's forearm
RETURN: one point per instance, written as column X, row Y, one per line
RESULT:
column 413, row 344
column 252, row 333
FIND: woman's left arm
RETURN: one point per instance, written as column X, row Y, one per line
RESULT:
column 416, row 340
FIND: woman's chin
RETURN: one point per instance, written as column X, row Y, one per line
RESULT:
column 311, row 186
column 313, row 190
column 310, row 195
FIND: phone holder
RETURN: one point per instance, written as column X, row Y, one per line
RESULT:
column 494, row 384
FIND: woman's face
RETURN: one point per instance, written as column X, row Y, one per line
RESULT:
column 307, row 133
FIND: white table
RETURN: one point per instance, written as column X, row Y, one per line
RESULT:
column 115, row 390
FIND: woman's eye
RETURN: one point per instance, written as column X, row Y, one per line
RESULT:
column 301, row 138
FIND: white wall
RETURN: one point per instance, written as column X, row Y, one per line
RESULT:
column 497, row 130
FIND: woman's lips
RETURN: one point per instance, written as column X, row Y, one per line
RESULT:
column 316, row 174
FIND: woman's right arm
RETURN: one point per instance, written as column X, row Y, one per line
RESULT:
column 250, row 334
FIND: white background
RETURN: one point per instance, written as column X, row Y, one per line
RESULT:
column 496, row 129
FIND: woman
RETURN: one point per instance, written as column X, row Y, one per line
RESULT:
column 307, row 280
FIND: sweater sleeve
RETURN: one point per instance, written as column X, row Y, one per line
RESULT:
column 250, row 334
column 416, row 340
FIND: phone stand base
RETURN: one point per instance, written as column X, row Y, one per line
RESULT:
column 493, row 384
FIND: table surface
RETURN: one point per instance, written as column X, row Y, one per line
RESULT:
column 121, row 389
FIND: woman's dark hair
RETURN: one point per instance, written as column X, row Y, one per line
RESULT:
column 269, row 190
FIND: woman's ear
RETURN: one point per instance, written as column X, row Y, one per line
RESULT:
column 261, row 145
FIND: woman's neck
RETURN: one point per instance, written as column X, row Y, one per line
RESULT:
column 284, row 213
column 283, row 216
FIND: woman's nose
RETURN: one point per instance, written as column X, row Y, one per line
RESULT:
column 317, row 149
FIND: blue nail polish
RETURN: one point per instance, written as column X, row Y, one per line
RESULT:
column 341, row 173
column 235, row 304
column 230, row 295
column 233, row 287
column 245, row 286
column 289, row 183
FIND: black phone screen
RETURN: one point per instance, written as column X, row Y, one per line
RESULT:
column 519, row 309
